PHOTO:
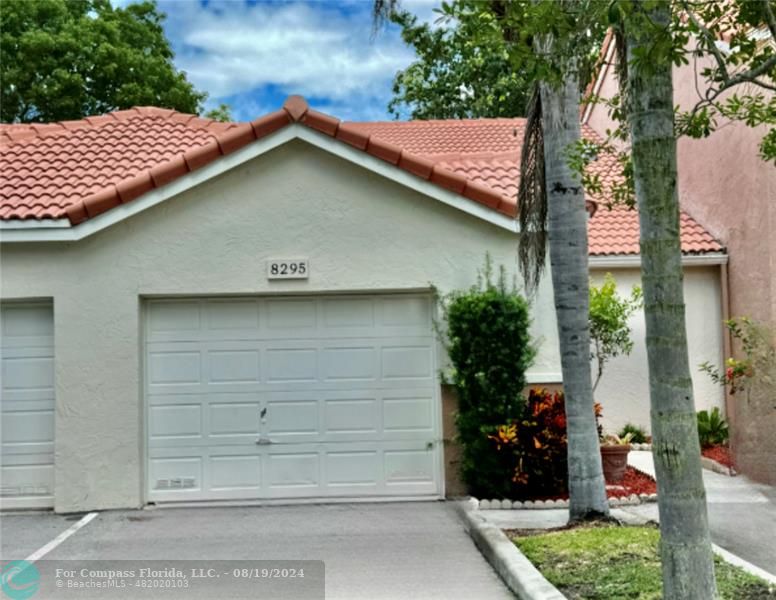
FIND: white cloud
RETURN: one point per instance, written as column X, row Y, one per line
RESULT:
column 320, row 50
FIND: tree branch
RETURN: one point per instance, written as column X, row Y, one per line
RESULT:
column 727, row 80
column 770, row 18
column 708, row 38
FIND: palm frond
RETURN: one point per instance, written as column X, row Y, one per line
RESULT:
column 382, row 11
column 532, row 197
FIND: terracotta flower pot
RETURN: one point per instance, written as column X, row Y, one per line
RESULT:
column 614, row 459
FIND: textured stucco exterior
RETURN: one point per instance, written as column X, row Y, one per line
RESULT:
column 730, row 190
column 360, row 231
column 624, row 388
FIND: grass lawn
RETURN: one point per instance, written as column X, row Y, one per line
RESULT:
column 609, row 562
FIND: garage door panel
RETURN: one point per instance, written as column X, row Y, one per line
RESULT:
column 286, row 318
column 350, row 419
column 27, row 372
column 347, row 386
column 171, row 368
column 21, row 324
column 233, row 319
column 176, row 320
column 349, row 363
column 231, row 417
column 409, row 468
column 293, row 473
column 176, row 421
column 292, row 365
column 407, row 362
column 27, row 480
column 352, row 314
column 408, row 416
column 234, row 366
column 402, row 313
column 28, row 427
column 236, row 472
column 27, row 405
column 353, row 470
column 292, row 420
column 177, row 475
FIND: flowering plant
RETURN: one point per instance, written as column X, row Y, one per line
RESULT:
column 757, row 348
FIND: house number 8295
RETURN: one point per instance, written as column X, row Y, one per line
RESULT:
column 288, row 269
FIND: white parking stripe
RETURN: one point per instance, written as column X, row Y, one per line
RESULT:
column 41, row 552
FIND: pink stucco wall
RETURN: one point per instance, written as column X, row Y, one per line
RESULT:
column 732, row 192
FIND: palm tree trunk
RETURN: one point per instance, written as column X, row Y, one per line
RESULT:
column 567, row 229
column 688, row 568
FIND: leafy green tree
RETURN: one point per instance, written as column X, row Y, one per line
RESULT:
column 67, row 59
column 223, row 113
column 740, row 38
column 610, row 333
column 456, row 74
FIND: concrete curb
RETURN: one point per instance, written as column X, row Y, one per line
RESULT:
column 520, row 575
column 737, row 561
column 712, row 465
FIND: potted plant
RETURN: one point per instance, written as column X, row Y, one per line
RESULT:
column 614, row 456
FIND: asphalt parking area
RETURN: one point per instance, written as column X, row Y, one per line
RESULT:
column 21, row 533
column 391, row 550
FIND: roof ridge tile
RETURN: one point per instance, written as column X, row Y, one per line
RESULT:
column 83, row 168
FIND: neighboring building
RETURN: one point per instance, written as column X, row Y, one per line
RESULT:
column 205, row 311
column 726, row 186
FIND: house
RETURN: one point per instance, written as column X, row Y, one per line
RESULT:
column 196, row 310
column 726, row 186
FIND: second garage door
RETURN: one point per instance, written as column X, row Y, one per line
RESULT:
column 27, row 405
column 292, row 398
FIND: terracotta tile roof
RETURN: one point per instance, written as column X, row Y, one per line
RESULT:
column 616, row 231
column 487, row 152
column 79, row 169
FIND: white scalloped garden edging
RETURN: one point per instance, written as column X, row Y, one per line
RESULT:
column 632, row 500
column 642, row 447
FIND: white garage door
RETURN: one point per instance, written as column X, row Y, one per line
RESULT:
column 292, row 398
column 27, row 403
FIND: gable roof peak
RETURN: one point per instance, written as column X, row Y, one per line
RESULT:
column 296, row 107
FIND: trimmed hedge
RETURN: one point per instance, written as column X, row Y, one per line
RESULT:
column 490, row 348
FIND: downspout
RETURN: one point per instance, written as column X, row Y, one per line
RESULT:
column 727, row 346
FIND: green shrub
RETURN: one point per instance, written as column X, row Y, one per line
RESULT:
column 712, row 428
column 490, row 350
column 638, row 435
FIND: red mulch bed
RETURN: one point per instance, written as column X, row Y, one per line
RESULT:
column 633, row 482
column 720, row 454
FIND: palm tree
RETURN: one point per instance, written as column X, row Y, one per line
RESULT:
column 688, row 566
column 552, row 200
column 552, row 205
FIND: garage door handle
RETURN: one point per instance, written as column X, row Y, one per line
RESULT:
column 260, row 441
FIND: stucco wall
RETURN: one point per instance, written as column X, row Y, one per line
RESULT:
column 624, row 387
column 360, row 232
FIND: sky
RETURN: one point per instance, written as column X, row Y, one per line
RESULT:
column 251, row 54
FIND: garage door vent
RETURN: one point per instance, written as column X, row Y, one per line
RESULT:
column 177, row 483
column 11, row 491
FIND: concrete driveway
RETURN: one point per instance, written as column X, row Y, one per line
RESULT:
column 375, row 551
